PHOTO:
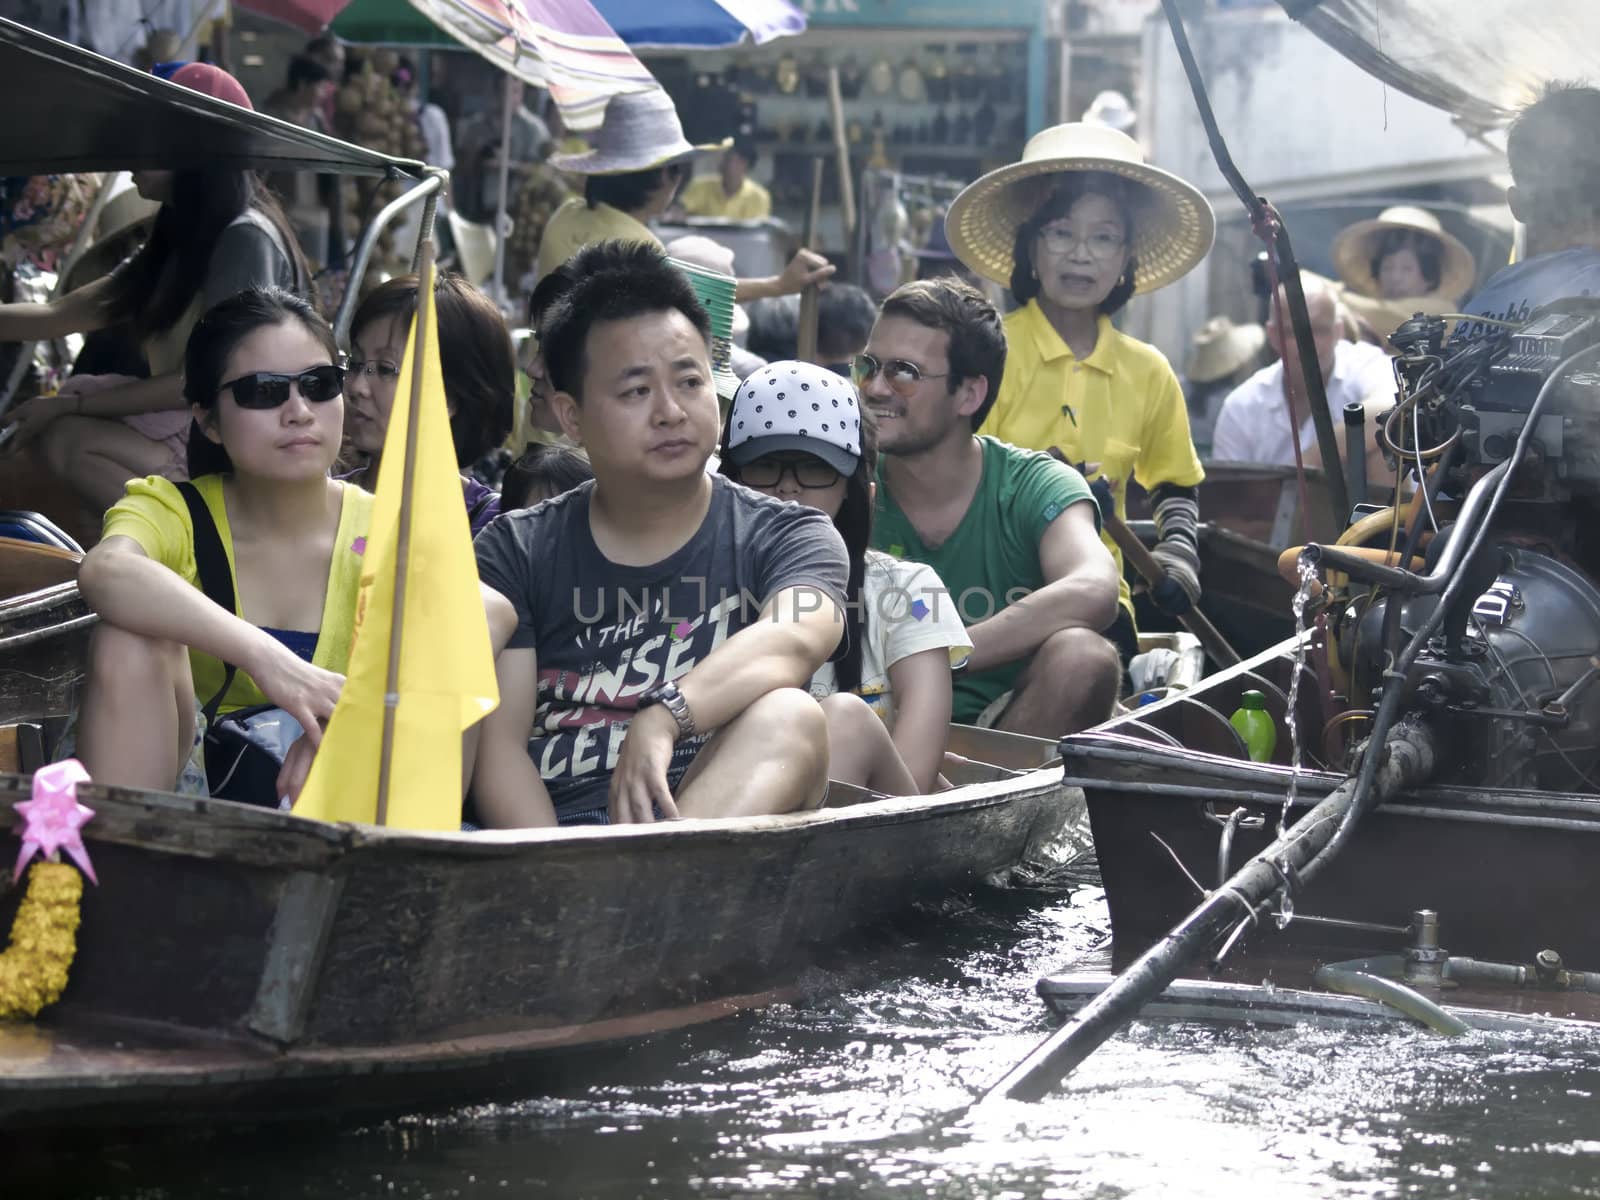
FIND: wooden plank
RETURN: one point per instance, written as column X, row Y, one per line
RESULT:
column 299, row 938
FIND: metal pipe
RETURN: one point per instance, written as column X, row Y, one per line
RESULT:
column 1299, row 318
column 432, row 181
column 1409, row 759
column 1396, row 995
column 1398, row 578
column 502, row 220
column 1355, row 446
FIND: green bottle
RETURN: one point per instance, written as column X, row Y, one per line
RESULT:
column 1255, row 726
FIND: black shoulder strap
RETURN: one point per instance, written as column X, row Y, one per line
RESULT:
column 216, row 580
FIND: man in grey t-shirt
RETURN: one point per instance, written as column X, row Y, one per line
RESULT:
column 655, row 630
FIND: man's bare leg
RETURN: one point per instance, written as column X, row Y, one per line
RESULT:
column 1070, row 684
column 772, row 758
column 861, row 750
column 136, row 726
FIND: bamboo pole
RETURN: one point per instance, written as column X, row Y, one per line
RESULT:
column 841, row 148
column 806, row 328
column 391, row 689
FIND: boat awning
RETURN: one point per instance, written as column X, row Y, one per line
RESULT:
column 1481, row 63
column 73, row 110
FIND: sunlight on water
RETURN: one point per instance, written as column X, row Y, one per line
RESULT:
column 862, row 1089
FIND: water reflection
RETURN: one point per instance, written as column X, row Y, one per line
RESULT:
column 863, row 1091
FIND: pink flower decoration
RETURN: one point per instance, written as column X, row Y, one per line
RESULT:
column 53, row 819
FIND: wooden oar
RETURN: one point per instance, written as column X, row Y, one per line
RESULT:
column 1196, row 622
column 1408, row 760
column 806, row 332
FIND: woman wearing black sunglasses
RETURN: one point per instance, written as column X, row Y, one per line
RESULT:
column 265, row 393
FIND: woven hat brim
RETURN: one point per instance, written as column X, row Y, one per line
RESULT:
column 1221, row 358
column 1173, row 229
column 1356, row 244
column 599, row 162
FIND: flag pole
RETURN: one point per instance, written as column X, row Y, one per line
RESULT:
column 391, row 691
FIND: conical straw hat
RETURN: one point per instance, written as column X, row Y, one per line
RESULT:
column 1173, row 226
column 1219, row 348
column 1357, row 245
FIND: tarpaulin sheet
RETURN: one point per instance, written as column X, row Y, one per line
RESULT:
column 1479, row 59
column 69, row 109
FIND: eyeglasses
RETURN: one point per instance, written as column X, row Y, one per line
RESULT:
column 372, row 366
column 899, row 374
column 1058, row 239
column 267, row 389
column 807, row 472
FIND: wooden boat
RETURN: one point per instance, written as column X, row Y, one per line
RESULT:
column 238, row 962
column 1175, row 806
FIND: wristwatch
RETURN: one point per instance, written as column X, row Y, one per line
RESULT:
column 669, row 697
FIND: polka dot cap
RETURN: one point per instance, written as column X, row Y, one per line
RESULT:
column 796, row 406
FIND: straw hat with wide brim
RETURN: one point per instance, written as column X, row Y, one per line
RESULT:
column 1385, row 316
column 640, row 131
column 126, row 218
column 1173, row 225
column 1219, row 348
column 1357, row 245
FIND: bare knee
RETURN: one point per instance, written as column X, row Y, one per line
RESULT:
column 61, row 447
column 843, row 709
column 118, row 656
column 794, row 719
column 1080, row 650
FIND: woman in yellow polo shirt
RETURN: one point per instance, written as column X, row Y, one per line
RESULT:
column 262, row 376
column 1076, row 229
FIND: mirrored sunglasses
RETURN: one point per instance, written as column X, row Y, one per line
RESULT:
column 267, row 389
column 899, row 374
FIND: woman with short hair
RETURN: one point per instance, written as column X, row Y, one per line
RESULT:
column 1076, row 229
column 480, row 377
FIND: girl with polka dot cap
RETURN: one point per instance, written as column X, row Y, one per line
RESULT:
column 797, row 432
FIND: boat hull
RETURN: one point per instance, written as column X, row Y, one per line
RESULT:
column 1509, row 872
column 234, row 960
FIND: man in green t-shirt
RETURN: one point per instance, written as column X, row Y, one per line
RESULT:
column 1014, row 534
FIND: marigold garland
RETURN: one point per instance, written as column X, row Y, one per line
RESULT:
column 33, row 969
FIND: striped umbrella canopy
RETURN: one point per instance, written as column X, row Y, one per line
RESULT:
column 701, row 24
column 644, row 23
column 563, row 45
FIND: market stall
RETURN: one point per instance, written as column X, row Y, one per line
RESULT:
column 936, row 88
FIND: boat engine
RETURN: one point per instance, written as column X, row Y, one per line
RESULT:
column 1509, row 677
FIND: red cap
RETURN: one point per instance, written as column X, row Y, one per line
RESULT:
column 212, row 81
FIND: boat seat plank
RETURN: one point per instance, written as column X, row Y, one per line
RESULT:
column 28, row 566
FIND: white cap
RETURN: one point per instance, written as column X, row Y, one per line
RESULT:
column 796, row 406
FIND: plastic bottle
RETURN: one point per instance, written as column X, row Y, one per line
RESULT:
column 1255, row 726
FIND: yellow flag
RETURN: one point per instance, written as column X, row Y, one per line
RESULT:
column 446, row 677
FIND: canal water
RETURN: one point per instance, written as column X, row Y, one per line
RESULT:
column 861, row 1087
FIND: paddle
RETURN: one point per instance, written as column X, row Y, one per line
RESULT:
column 1196, row 622
column 1292, row 860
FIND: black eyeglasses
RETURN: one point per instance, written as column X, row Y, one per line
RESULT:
column 267, row 389
column 808, row 472
column 899, row 374
column 372, row 366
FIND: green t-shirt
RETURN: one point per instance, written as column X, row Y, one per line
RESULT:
column 992, row 558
